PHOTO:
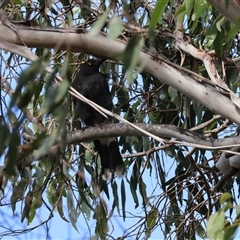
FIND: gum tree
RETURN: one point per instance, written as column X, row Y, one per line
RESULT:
column 173, row 68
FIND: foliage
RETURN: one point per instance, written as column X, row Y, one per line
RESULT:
column 170, row 185
column 218, row 227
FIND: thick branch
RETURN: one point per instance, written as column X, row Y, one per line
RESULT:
column 185, row 137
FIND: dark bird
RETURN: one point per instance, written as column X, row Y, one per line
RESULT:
column 94, row 85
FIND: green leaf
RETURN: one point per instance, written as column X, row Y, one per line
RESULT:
column 71, row 209
column 46, row 144
column 161, row 172
column 131, row 55
column 142, row 189
column 189, row 6
column 152, row 218
column 211, row 35
column 115, row 27
column 12, row 117
column 18, row 192
column 199, row 229
column 102, row 220
column 86, row 208
column 85, row 202
column 157, row 13
column 115, row 195
column 39, row 176
column 26, row 97
column 133, row 188
column 123, row 195
column 181, row 13
column 27, row 76
column 37, row 200
column 123, row 97
column 4, row 137
column 215, row 225
column 238, row 210
column 12, row 153
column 97, row 26
column 59, row 203
column 234, row 30
column 230, row 231
column 199, row 8
column 181, row 10
column 219, row 22
column 54, row 97
column 27, row 206
column 51, row 192
column 225, row 197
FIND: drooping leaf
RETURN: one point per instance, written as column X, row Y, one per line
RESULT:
column 46, row 144
column 215, row 225
column 59, row 203
column 142, row 190
column 18, row 193
column 232, row 33
column 27, row 76
column 102, row 221
column 189, row 6
column 97, row 26
column 152, row 218
column 131, row 55
column 225, row 197
column 27, row 206
column 123, row 195
column 133, row 188
column 157, row 13
column 115, row 27
column 115, row 195
column 54, row 97
column 71, row 209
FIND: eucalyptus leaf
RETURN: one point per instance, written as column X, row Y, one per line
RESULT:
column 123, row 195
column 71, row 209
column 157, row 13
column 115, row 27
column 131, row 55
column 46, row 144
column 97, row 26
column 54, row 97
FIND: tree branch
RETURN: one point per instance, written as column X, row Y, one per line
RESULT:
column 79, row 40
column 185, row 137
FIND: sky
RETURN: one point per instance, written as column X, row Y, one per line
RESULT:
column 59, row 229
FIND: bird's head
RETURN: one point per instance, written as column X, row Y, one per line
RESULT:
column 91, row 65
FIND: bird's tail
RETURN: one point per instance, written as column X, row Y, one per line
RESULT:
column 111, row 159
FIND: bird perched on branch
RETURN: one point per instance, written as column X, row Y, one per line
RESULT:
column 94, row 85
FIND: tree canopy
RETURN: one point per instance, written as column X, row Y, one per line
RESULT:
column 173, row 70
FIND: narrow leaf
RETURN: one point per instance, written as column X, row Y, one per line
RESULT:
column 71, row 209
column 133, row 188
column 54, row 97
column 123, row 194
column 115, row 27
column 131, row 55
column 157, row 13
column 97, row 26
column 27, row 206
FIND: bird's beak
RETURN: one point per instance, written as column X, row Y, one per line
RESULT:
column 99, row 61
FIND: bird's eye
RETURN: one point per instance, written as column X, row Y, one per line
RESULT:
column 89, row 63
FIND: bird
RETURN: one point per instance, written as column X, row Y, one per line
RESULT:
column 93, row 85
